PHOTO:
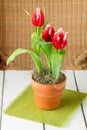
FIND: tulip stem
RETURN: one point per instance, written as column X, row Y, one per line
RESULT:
column 38, row 31
column 59, row 51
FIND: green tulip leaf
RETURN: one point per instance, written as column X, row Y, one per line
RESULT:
column 47, row 48
column 35, row 40
column 27, row 13
column 56, row 63
column 35, row 57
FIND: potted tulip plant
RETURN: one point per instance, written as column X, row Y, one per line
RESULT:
column 48, row 82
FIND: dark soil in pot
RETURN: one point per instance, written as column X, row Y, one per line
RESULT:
column 45, row 77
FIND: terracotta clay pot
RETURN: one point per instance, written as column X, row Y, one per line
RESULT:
column 48, row 97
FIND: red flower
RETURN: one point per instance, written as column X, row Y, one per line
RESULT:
column 38, row 17
column 48, row 33
column 60, row 39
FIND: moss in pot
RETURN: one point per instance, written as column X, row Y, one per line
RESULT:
column 48, row 82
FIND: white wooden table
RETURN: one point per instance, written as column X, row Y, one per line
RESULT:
column 13, row 82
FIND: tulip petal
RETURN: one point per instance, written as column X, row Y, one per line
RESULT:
column 60, row 39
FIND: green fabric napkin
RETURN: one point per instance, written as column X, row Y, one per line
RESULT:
column 24, row 107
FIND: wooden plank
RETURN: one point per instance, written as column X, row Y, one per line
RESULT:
column 1, row 87
column 15, row 82
column 81, row 78
column 77, row 121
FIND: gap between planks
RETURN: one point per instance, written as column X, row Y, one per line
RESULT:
column 43, row 126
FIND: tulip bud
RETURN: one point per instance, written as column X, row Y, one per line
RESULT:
column 38, row 17
column 60, row 39
column 48, row 33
